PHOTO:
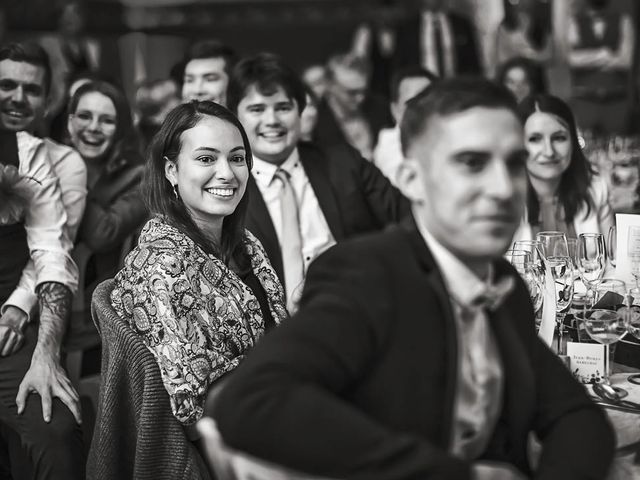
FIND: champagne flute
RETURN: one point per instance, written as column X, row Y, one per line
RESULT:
column 612, row 239
column 562, row 275
column 553, row 243
column 591, row 259
column 606, row 327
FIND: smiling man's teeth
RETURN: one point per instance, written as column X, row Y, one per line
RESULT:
column 221, row 192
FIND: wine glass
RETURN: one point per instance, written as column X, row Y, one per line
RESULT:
column 612, row 239
column 606, row 327
column 534, row 272
column 518, row 258
column 591, row 259
column 553, row 244
column 562, row 275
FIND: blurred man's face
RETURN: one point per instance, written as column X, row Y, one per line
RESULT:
column 349, row 88
column 467, row 180
column 205, row 79
column 272, row 123
column 22, row 95
column 407, row 89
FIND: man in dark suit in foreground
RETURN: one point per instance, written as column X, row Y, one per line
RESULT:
column 414, row 353
column 303, row 199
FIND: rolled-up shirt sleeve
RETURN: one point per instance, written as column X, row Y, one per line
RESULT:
column 49, row 245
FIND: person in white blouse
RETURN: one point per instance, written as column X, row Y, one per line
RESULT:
column 405, row 84
column 565, row 194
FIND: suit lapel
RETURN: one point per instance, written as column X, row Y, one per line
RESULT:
column 317, row 172
column 260, row 224
column 519, row 388
column 435, row 280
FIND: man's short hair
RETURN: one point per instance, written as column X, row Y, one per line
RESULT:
column 349, row 61
column 414, row 71
column 211, row 49
column 267, row 72
column 450, row 96
column 28, row 52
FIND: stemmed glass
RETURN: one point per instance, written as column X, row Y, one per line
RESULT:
column 518, row 258
column 562, row 275
column 553, row 244
column 611, row 295
column 612, row 239
column 591, row 259
column 606, row 327
column 530, row 273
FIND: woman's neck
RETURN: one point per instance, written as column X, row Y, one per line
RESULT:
column 545, row 188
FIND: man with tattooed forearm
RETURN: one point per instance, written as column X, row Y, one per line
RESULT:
column 39, row 408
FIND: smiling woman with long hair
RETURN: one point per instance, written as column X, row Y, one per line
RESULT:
column 565, row 194
column 198, row 288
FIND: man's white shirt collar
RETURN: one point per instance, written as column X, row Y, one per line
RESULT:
column 264, row 171
column 462, row 284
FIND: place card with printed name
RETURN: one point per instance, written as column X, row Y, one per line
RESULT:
column 587, row 361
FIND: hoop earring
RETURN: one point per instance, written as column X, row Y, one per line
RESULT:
column 175, row 191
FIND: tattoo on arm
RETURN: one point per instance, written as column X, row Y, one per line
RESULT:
column 55, row 307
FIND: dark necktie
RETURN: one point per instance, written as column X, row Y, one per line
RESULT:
column 438, row 43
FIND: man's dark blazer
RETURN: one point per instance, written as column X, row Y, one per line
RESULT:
column 328, row 133
column 467, row 54
column 360, row 383
column 354, row 196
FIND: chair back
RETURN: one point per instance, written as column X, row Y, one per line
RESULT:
column 136, row 434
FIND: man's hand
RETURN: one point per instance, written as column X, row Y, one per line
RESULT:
column 46, row 377
column 12, row 324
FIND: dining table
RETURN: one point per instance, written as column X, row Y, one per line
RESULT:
column 626, row 424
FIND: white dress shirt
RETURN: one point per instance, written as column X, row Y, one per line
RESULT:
column 45, row 224
column 314, row 229
column 388, row 153
column 429, row 55
column 480, row 384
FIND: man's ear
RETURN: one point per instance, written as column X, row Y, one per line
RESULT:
column 409, row 180
column 170, row 171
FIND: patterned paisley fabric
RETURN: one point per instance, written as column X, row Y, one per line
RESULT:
column 196, row 316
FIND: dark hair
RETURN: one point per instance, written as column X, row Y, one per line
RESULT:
column 539, row 26
column 267, row 72
column 532, row 69
column 158, row 191
column 125, row 142
column 573, row 190
column 211, row 49
column 450, row 96
column 28, row 52
column 413, row 71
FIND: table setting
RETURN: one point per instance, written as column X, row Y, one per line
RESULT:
column 586, row 295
